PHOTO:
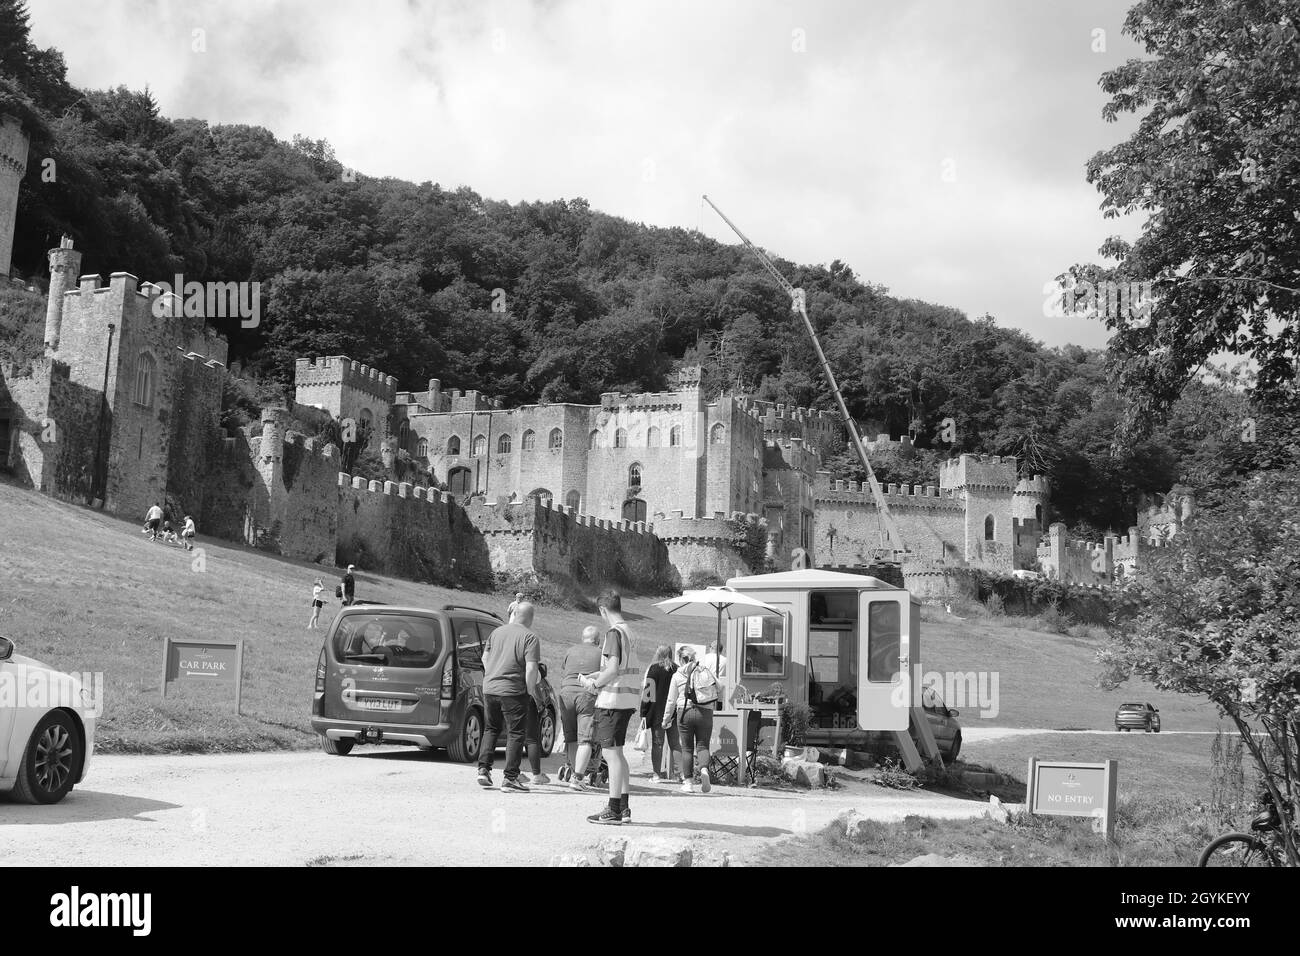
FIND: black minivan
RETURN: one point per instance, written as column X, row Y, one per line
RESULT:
column 407, row 675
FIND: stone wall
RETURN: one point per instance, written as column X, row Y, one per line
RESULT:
column 409, row 531
column 701, row 548
column 52, row 425
column 549, row 540
column 848, row 528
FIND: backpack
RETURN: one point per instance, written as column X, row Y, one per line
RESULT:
column 338, row 590
column 701, row 690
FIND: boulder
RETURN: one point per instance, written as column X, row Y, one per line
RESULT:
column 710, row 856
column 611, row 852
column 657, row 851
column 808, row 773
column 856, row 825
column 996, row 810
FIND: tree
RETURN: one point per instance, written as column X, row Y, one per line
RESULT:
column 1218, row 615
column 1215, row 166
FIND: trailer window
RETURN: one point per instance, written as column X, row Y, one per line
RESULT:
column 764, row 646
column 884, row 636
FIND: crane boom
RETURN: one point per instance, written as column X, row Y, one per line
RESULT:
column 797, row 304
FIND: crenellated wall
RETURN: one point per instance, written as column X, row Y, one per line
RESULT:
column 703, row 547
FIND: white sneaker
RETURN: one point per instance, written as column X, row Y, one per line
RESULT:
column 688, row 787
column 539, row 779
column 577, row 786
column 704, row 781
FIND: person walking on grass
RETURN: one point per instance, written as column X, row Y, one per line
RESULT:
column 691, row 696
column 510, row 676
column 188, row 531
column 659, row 678
column 519, row 599
column 153, row 522
column 349, row 586
column 577, row 704
column 317, row 602
column 618, row 696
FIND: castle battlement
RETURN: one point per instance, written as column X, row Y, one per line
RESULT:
column 982, row 472
column 674, row 527
column 832, row 489
column 339, row 370
column 1037, row 485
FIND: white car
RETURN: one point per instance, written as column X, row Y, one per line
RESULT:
column 47, row 728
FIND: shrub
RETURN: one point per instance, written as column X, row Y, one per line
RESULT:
column 895, row 777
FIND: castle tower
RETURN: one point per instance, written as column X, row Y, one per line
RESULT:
column 13, row 166
column 65, row 268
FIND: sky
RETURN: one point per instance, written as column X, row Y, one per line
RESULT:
column 937, row 147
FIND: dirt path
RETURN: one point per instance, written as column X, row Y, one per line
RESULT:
column 391, row 806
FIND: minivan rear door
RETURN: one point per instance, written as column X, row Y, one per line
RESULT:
column 389, row 667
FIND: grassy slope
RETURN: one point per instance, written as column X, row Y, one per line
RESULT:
column 84, row 591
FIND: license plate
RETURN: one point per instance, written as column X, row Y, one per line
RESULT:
column 381, row 704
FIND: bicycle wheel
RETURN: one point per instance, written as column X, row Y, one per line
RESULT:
column 1237, row 849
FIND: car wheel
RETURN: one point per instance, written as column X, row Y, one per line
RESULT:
column 464, row 748
column 337, row 748
column 51, row 761
column 1155, row 727
column 547, row 732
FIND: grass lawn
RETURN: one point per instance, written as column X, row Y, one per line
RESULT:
column 84, row 591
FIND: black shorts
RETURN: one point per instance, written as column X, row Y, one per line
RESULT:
column 611, row 726
column 153, row 524
column 317, row 603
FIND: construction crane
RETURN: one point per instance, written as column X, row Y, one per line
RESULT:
column 896, row 548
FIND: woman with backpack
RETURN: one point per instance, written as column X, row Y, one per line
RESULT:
column 691, row 696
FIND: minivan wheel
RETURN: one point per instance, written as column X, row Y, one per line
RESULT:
column 337, row 748
column 464, row 748
column 51, row 761
column 547, row 732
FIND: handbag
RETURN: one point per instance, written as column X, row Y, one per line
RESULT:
column 338, row 590
column 642, row 738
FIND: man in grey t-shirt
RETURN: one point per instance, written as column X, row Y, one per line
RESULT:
column 510, row 677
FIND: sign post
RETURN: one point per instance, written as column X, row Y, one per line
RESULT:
column 204, row 662
column 1063, row 789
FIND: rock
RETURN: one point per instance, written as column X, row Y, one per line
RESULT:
column 611, row 852
column 934, row 859
column 570, row 859
column 710, row 856
column 810, row 774
column 657, row 851
column 996, row 810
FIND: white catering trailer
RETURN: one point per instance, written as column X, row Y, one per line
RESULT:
column 847, row 645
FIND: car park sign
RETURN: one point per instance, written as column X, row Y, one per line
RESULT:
column 1074, row 790
column 204, row 662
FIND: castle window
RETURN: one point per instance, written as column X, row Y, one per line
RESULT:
column 530, row 441
column 988, row 528
column 403, row 435
column 652, row 437
column 717, row 434
column 556, row 441
column 573, row 500
column 503, row 445
column 422, row 448
column 1038, row 513
column 367, row 417
column 634, row 476
column 453, row 445
column 620, row 438
column 675, row 436
column 146, row 375
column 593, row 440
column 480, row 445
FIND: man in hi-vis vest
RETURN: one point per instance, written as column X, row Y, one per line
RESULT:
column 618, row 696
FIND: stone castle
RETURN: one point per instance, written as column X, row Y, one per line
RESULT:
column 651, row 490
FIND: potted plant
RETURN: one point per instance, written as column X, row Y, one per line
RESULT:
column 795, row 720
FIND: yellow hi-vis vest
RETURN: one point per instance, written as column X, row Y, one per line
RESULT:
column 624, row 692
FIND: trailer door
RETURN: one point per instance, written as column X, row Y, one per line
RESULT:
column 884, row 691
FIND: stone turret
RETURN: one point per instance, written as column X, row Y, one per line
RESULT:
column 13, row 166
column 65, row 268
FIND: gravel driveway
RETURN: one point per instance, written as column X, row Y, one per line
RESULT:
column 393, row 806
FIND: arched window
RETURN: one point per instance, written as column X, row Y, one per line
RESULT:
column 556, row 441
column 1038, row 513
column 593, row 440
column 480, row 445
column 675, row 436
column 717, row 434
column 146, row 377
column 422, row 448
column 988, row 528
column 530, row 441
column 503, row 445
column 367, row 418
column 652, row 437
column 403, row 435
column 634, row 475
column 541, row 494
column 620, row 438
column 453, row 445
column 573, row 500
